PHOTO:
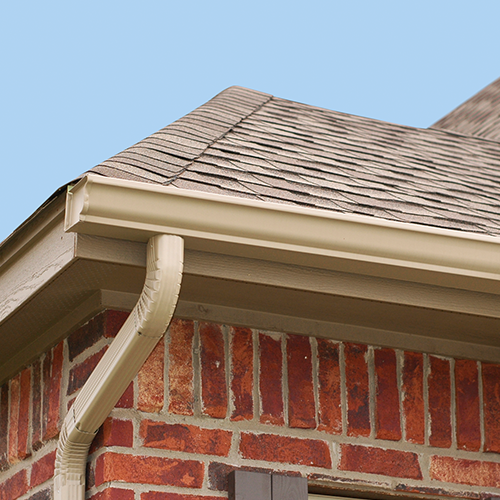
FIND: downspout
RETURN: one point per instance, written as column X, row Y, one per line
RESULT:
column 136, row 339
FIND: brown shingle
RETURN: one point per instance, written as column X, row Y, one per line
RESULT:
column 479, row 116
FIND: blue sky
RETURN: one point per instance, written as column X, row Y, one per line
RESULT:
column 81, row 81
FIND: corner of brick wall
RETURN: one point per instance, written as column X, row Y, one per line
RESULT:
column 34, row 402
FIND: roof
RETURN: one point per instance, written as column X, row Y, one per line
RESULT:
column 331, row 249
column 249, row 144
column 479, row 116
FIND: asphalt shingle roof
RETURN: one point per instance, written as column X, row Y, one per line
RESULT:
column 479, row 116
column 250, row 144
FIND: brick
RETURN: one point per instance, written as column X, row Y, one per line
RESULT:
column 114, row 494
column 43, row 470
column 114, row 432
column 114, row 320
column 461, row 471
column 180, row 372
column 301, row 407
column 491, row 406
column 86, row 336
column 285, row 449
column 213, row 371
column 162, row 495
column 186, row 438
column 54, row 398
column 358, row 402
column 14, row 487
column 440, row 402
column 15, row 396
column 24, row 414
column 270, row 380
column 467, row 405
column 80, row 373
column 105, row 325
column 151, row 381
column 36, row 407
column 42, row 495
column 127, row 398
column 218, row 474
column 148, row 470
column 330, row 411
column 371, row 460
column 413, row 397
column 4, row 425
column 387, row 414
column 242, row 373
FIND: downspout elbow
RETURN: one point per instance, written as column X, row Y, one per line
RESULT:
column 136, row 339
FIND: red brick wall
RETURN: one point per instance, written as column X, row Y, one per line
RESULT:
column 212, row 398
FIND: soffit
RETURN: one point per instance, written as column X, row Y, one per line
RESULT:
column 106, row 273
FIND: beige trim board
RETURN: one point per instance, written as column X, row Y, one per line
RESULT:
column 325, row 281
column 109, row 299
column 53, row 301
column 31, row 230
column 37, row 263
column 316, row 238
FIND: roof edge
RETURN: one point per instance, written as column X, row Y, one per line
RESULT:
column 317, row 238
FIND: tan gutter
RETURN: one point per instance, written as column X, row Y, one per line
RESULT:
column 285, row 233
column 143, row 329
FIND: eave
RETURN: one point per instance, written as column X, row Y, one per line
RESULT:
column 259, row 264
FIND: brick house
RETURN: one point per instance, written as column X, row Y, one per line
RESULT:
column 335, row 282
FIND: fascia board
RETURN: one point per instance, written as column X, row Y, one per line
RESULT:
column 32, row 230
column 135, row 211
